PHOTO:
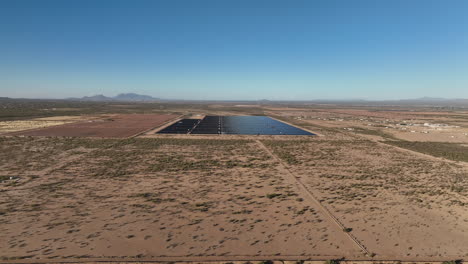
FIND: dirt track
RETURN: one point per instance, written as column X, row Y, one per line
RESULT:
column 220, row 260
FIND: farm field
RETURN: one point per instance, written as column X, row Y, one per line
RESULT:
column 118, row 126
column 20, row 125
column 359, row 190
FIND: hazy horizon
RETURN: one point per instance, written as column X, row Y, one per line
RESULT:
column 422, row 98
column 239, row 50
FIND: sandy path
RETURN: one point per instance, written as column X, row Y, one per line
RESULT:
column 216, row 260
column 413, row 152
column 300, row 185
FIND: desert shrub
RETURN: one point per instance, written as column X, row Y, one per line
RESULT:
column 4, row 178
column 452, row 262
column 451, row 151
column 272, row 195
column 372, row 132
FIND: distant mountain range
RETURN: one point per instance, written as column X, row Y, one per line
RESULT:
column 123, row 97
column 436, row 99
column 433, row 101
column 133, row 97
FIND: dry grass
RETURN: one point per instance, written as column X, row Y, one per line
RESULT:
column 19, row 125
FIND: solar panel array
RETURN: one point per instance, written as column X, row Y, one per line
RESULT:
column 183, row 126
column 258, row 125
column 210, row 125
column 234, row 125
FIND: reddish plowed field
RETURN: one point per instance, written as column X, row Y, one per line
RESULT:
column 120, row 126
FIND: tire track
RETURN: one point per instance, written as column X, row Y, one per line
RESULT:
column 293, row 178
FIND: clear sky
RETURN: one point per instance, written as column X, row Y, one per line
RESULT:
column 237, row 49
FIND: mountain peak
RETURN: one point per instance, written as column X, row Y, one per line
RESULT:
column 133, row 97
column 125, row 97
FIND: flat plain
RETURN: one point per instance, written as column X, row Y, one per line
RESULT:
column 374, row 184
column 115, row 126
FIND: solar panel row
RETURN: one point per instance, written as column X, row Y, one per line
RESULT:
column 259, row 125
column 183, row 126
column 209, row 125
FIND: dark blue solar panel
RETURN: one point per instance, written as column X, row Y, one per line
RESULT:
column 209, row 125
column 246, row 125
column 183, row 126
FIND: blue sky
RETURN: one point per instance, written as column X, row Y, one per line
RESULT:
column 229, row 50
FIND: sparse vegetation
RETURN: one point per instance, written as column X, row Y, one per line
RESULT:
column 203, row 195
column 373, row 132
column 452, row 262
column 273, row 195
column 451, row 151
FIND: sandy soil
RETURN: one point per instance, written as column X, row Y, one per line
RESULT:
column 397, row 204
column 347, row 192
column 405, row 125
column 150, row 197
column 20, row 125
column 119, row 126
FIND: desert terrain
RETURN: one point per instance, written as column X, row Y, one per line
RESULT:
column 386, row 183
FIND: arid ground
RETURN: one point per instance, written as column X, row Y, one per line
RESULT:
column 113, row 126
column 376, row 183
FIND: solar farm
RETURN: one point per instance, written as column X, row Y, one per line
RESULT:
column 228, row 183
column 234, row 125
